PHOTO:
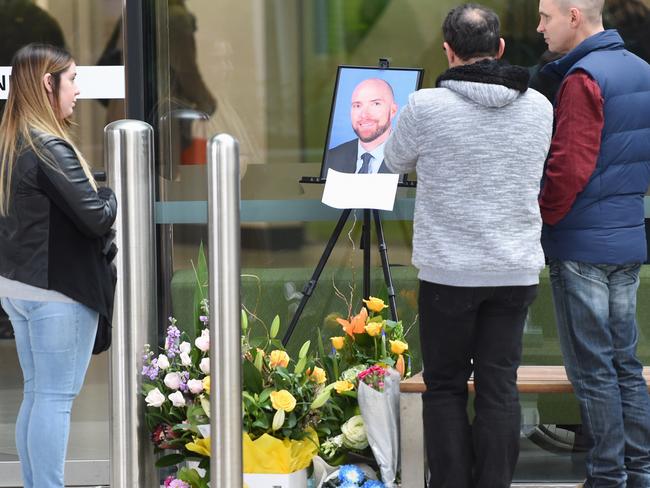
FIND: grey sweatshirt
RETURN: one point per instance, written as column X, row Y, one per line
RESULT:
column 479, row 152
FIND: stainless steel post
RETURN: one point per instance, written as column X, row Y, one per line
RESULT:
column 225, row 312
column 129, row 160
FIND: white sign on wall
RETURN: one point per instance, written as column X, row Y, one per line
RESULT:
column 94, row 81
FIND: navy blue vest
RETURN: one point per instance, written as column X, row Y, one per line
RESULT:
column 606, row 222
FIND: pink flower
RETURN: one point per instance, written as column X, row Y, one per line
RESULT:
column 373, row 376
column 171, row 482
column 178, row 484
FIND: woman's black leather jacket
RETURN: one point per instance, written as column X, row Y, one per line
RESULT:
column 54, row 233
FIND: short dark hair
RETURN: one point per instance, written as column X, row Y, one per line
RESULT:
column 472, row 30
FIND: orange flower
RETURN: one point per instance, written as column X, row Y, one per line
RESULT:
column 400, row 366
column 356, row 325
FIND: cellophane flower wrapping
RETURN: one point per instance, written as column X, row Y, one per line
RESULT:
column 268, row 454
column 380, row 412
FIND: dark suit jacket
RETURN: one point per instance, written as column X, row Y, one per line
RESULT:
column 343, row 158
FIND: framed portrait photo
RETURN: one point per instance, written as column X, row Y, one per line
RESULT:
column 365, row 109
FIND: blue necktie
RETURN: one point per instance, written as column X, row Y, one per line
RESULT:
column 365, row 157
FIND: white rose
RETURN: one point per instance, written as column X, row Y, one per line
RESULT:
column 195, row 386
column 163, row 362
column 203, row 342
column 173, row 381
column 185, row 347
column 177, row 399
column 204, row 365
column 154, row 398
column 185, row 359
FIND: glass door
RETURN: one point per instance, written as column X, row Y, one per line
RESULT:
column 86, row 28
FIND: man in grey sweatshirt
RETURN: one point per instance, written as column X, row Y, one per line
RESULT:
column 478, row 142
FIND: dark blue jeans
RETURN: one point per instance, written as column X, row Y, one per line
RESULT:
column 465, row 330
column 595, row 307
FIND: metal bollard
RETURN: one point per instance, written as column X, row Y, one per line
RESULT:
column 129, row 159
column 225, row 312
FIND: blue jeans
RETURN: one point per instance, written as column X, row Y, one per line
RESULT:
column 54, row 341
column 595, row 308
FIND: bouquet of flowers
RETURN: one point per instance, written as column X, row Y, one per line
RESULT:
column 370, row 339
column 379, row 403
column 176, row 383
column 369, row 345
column 176, row 389
column 281, row 413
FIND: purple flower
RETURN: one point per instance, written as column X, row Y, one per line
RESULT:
column 185, row 376
column 204, row 319
column 172, row 340
column 151, row 370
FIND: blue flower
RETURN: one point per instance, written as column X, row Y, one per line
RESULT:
column 347, row 484
column 373, row 484
column 349, row 473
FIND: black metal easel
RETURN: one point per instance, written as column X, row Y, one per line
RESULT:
column 365, row 245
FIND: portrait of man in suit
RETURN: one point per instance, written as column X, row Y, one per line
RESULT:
column 372, row 109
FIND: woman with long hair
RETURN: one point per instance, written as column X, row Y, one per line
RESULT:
column 55, row 278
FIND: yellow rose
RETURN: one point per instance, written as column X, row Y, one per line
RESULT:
column 283, row 400
column 206, row 384
column 337, row 342
column 318, row 375
column 374, row 328
column 279, row 358
column 398, row 347
column 375, row 304
column 341, row 386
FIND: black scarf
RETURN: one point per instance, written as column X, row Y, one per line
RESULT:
column 492, row 71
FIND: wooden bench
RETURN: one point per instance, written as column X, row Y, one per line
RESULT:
column 530, row 379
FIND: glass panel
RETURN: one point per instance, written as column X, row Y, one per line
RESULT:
column 264, row 71
column 85, row 28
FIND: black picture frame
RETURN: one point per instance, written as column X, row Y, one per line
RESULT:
column 342, row 139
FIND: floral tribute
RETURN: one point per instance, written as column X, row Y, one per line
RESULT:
column 282, row 403
column 367, row 346
column 176, row 390
column 176, row 385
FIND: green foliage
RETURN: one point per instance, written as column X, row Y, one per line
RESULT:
column 267, row 371
column 192, row 477
column 200, row 290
